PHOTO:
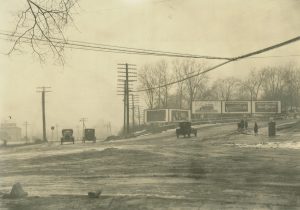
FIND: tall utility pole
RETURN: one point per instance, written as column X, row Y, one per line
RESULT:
column 108, row 128
column 139, row 115
column 124, row 104
column 83, row 120
column 77, row 127
column 133, row 124
column 26, row 126
column 134, row 100
column 52, row 133
column 125, row 73
column 43, row 90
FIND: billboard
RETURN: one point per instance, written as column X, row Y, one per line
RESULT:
column 156, row 115
column 266, row 106
column 236, row 107
column 206, row 107
column 177, row 115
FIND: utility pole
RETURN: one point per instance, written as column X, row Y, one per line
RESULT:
column 26, row 136
column 56, row 125
column 77, row 127
column 134, row 100
column 124, row 101
column 251, row 104
column 52, row 130
column 83, row 120
column 108, row 128
column 43, row 90
column 133, row 124
column 127, row 97
column 126, row 72
column 139, row 116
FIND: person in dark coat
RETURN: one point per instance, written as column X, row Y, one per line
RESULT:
column 246, row 124
column 242, row 124
column 255, row 129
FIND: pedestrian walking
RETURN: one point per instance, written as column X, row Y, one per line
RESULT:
column 246, row 124
column 255, row 129
column 242, row 124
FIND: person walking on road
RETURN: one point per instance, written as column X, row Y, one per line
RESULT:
column 255, row 129
column 242, row 124
column 246, row 124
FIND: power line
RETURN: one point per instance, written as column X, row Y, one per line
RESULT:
column 226, row 62
column 160, row 53
column 95, row 50
column 112, row 48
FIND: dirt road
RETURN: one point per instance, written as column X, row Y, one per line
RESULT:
column 219, row 169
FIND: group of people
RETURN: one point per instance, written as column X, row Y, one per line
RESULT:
column 243, row 125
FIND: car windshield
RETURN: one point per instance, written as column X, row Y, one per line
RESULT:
column 184, row 124
column 67, row 132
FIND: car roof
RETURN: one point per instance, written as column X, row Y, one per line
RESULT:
column 67, row 129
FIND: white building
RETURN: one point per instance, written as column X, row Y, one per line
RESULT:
column 10, row 132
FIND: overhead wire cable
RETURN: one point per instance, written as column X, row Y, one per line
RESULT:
column 290, row 41
column 117, row 48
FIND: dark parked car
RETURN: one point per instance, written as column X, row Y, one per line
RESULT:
column 185, row 129
column 89, row 135
column 67, row 136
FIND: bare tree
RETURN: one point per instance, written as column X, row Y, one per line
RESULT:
column 163, row 78
column 178, row 74
column 226, row 89
column 291, row 85
column 41, row 25
column 153, row 75
column 148, row 80
column 193, row 85
column 282, row 83
column 273, row 85
column 252, row 85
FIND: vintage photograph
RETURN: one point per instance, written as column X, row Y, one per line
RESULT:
column 149, row 104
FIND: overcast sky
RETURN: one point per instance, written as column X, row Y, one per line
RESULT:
column 86, row 85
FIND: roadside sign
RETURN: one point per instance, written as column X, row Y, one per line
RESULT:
column 236, row 107
column 177, row 115
column 156, row 115
column 266, row 106
column 206, row 107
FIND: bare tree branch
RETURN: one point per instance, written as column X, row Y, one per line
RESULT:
column 43, row 21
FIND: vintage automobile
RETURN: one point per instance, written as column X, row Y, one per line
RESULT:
column 67, row 136
column 185, row 129
column 89, row 135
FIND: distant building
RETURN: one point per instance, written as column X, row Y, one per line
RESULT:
column 10, row 132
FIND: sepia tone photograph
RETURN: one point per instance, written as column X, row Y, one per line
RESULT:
column 149, row 104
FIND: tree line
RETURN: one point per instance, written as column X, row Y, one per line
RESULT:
column 272, row 83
